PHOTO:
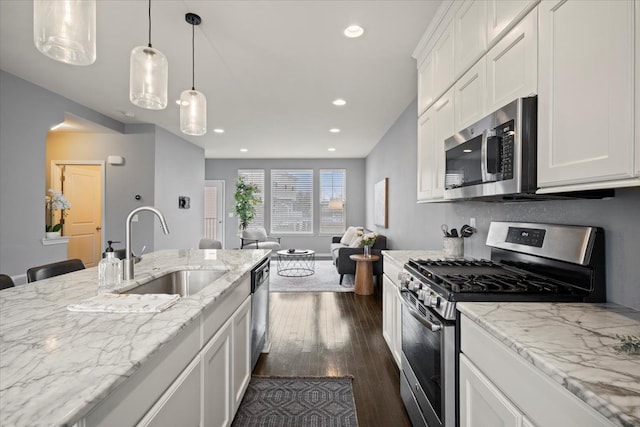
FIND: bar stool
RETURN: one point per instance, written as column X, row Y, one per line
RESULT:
column 54, row 269
column 6, row 282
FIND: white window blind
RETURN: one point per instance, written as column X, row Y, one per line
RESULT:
column 256, row 177
column 332, row 201
column 291, row 201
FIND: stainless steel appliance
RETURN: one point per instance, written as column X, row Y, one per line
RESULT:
column 529, row 262
column 495, row 156
column 259, row 310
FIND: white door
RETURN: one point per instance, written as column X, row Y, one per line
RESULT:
column 216, row 379
column 82, row 186
column 241, row 351
column 443, row 120
column 214, row 210
column 586, row 91
column 470, row 40
column 512, row 64
column 469, row 96
column 426, row 131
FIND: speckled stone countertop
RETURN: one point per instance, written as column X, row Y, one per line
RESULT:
column 56, row 365
column 574, row 345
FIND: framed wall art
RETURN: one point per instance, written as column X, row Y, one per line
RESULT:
column 380, row 203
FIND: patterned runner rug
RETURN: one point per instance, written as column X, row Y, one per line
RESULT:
column 297, row 402
column 325, row 279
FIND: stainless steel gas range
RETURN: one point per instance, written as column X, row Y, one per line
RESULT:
column 529, row 262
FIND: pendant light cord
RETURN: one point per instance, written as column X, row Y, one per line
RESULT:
column 150, row 23
column 193, row 57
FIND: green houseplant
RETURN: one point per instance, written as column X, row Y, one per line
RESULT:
column 246, row 202
column 56, row 201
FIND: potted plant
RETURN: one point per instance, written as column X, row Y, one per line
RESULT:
column 246, row 202
column 56, row 201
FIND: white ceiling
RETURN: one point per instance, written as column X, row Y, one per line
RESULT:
column 269, row 69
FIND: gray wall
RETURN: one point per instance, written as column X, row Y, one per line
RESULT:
column 179, row 172
column 27, row 112
column 227, row 170
column 417, row 226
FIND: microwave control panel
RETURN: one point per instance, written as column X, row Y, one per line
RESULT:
column 505, row 133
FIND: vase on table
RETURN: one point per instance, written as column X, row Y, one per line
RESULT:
column 367, row 251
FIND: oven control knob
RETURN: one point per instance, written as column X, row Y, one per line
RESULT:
column 432, row 301
column 413, row 285
column 422, row 294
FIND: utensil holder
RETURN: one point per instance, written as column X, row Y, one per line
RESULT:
column 453, row 247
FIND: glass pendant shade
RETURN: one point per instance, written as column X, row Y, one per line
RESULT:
column 193, row 112
column 65, row 30
column 148, row 78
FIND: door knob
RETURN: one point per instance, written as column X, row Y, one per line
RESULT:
column 98, row 228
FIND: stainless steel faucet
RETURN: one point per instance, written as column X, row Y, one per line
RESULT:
column 127, row 271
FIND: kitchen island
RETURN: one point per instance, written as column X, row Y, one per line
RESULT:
column 58, row 367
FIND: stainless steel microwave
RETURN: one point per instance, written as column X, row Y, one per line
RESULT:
column 496, row 156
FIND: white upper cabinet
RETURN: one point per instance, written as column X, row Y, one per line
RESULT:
column 512, row 64
column 469, row 96
column 586, row 92
column 501, row 14
column 426, row 136
column 443, row 61
column 426, row 89
column 470, row 39
column 443, row 122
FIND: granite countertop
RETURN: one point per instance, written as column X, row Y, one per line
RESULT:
column 574, row 345
column 55, row 365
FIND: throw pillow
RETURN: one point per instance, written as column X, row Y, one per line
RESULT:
column 356, row 241
column 349, row 235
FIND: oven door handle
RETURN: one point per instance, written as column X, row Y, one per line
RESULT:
column 416, row 315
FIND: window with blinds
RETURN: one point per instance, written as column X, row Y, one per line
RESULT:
column 291, row 201
column 332, row 201
column 255, row 176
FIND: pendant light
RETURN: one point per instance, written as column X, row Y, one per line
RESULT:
column 66, row 30
column 193, row 103
column 148, row 76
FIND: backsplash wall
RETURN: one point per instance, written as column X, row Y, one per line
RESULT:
column 417, row 226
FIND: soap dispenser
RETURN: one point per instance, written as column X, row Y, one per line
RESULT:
column 109, row 270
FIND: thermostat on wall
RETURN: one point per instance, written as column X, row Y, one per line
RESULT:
column 115, row 160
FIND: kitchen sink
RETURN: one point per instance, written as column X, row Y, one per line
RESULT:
column 183, row 282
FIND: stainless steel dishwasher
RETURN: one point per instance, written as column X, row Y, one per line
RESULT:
column 259, row 311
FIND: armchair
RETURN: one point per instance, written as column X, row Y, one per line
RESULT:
column 257, row 239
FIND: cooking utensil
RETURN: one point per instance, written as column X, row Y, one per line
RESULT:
column 445, row 230
column 467, row 231
column 453, row 232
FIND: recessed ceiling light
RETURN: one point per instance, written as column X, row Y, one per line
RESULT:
column 353, row 31
column 218, row 130
column 339, row 102
column 244, row 150
column 467, row 150
column 332, row 149
column 334, row 130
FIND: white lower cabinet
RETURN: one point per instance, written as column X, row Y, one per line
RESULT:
column 241, row 352
column 481, row 403
column 498, row 387
column 180, row 405
column 392, row 310
column 216, row 374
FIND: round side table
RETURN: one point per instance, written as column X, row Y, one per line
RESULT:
column 364, row 273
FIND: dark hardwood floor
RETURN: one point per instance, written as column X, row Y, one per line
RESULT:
column 337, row 334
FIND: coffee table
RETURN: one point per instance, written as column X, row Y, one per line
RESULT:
column 300, row 263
